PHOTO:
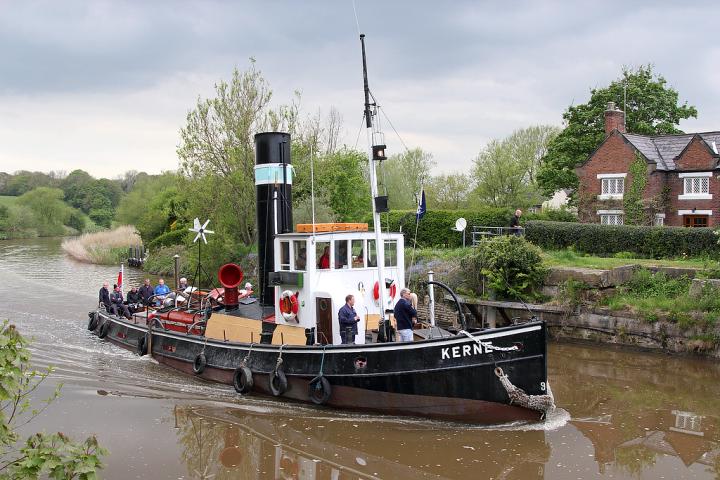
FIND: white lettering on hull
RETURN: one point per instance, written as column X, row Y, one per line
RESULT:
column 465, row 351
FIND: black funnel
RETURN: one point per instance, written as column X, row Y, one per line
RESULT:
column 273, row 187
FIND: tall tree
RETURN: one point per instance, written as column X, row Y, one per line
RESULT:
column 342, row 180
column 652, row 108
column 402, row 174
column 217, row 144
column 448, row 192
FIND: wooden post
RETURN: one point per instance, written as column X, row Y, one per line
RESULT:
column 176, row 272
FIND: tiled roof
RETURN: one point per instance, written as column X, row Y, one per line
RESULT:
column 664, row 149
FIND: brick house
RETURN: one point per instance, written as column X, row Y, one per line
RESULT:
column 683, row 181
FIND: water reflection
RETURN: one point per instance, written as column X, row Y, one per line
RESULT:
column 642, row 413
column 229, row 442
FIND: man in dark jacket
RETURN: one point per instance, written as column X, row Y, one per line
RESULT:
column 116, row 298
column 146, row 291
column 405, row 316
column 104, row 298
column 134, row 300
column 348, row 320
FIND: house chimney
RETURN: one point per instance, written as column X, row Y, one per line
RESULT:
column 614, row 119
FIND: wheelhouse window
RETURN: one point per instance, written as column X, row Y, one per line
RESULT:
column 322, row 255
column 612, row 186
column 284, row 255
column 371, row 254
column 341, row 254
column 696, row 186
column 300, row 253
column 357, row 249
column 390, row 253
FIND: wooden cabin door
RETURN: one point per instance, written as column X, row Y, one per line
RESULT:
column 323, row 312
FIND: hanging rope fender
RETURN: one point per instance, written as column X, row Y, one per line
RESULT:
column 277, row 379
column 319, row 389
column 488, row 345
column 541, row 403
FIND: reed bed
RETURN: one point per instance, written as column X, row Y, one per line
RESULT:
column 103, row 248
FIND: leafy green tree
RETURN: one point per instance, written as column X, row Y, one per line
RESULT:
column 50, row 210
column 217, row 144
column 24, row 181
column 342, row 179
column 652, row 108
column 401, row 176
column 135, row 207
column 448, row 192
column 52, row 455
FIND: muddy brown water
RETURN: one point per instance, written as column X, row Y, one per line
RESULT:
column 621, row 415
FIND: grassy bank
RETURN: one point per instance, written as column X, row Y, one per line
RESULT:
column 105, row 248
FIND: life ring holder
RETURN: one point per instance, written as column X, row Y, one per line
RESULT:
column 289, row 305
column 376, row 290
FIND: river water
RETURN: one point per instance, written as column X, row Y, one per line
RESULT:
column 621, row 415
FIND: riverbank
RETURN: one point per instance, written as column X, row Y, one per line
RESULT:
column 108, row 247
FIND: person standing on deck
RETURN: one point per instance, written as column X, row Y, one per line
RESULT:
column 104, row 298
column 349, row 319
column 405, row 315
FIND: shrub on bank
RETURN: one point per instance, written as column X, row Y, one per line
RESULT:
column 508, row 265
column 174, row 237
column 653, row 242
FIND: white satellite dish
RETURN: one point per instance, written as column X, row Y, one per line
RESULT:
column 460, row 224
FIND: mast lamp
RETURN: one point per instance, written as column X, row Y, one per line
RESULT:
column 379, row 152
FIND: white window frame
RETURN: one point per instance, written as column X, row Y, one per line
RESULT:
column 611, row 217
column 695, row 212
column 611, row 179
column 659, row 220
column 689, row 180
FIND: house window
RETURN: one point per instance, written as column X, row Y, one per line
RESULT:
column 612, row 186
column 696, row 186
column 659, row 220
column 694, row 221
column 611, row 217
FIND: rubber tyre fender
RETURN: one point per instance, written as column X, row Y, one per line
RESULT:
column 319, row 390
column 94, row 320
column 104, row 329
column 199, row 363
column 142, row 345
column 243, row 380
column 278, row 382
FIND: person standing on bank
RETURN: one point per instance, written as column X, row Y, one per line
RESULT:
column 515, row 226
column 405, row 315
column 349, row 319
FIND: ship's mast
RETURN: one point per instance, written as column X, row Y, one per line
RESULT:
column 379, row 203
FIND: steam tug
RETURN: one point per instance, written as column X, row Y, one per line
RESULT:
column 286, row 342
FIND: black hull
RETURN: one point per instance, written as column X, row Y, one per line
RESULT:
column 451, row 378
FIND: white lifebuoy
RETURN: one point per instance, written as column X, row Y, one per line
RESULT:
column 289, row 305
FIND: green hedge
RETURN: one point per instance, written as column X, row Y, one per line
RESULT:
column 652, row 242
column 436, row 226
column 174, row 237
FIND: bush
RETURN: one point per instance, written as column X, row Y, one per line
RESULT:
column 436, row 227
column 174, row 237
column 509, row 265
column 652, row 242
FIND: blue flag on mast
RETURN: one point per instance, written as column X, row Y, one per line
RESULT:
column 421, row 207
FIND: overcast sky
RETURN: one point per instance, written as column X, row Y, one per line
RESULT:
column 105, row 85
